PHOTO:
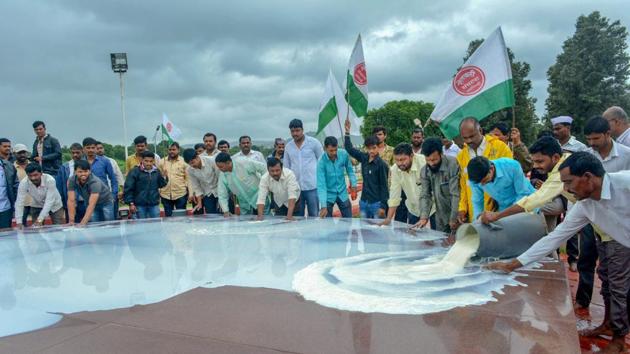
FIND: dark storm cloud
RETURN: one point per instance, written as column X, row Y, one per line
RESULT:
column 246, row 67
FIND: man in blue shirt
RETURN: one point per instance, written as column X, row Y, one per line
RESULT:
column 502, row 179
column 331, row 180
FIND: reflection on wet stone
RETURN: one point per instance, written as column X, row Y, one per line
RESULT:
column 122, row 265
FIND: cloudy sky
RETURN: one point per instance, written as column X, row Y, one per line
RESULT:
column 246, row 67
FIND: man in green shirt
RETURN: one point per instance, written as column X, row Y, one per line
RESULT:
column 242, row 178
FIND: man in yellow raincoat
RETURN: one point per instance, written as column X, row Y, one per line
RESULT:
column 476, row 144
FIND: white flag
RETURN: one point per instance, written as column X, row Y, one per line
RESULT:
column 169, row 129
column 357, row 80
column 481, row 87
column 332, row 110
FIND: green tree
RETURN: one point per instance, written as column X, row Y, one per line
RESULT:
column 591, row 73
column 398, row 118
column 524, row 104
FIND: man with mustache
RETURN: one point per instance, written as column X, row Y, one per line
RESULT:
column 440, row 182
column 602, row 201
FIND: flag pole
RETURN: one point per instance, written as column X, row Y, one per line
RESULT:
column 513, row 118
column 347, row 107
column 426, row 124
column 155, row 142
column 347, row 101
column 340, row 128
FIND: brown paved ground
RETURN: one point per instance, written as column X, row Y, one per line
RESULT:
column 533, row 319
column 591, row 317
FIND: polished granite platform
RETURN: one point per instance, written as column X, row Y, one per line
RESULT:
column 209, row 285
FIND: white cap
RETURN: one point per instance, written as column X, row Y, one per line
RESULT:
column 20, row 147
column 562, row 119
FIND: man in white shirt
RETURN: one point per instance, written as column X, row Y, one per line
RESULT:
column 210, row 143
column 602, row 201
column 561, row 126
column 300, row 156
column 45, row 198
column 450, row 148
column 614, row 157
column 203, row 175
column 417, row 138
column 619, row 124
column 283, row 185
column 245, row 143
column 562, row 132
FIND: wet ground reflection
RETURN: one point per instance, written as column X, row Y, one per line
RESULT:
column 117, row 265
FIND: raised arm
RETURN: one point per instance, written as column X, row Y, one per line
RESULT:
column 354, row 152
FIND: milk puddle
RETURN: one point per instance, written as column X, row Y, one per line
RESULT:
column 410, row 282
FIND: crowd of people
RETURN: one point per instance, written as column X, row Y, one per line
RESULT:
column 581, row 190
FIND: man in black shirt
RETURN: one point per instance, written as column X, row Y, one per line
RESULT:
column 375, row 172
column 46, row 150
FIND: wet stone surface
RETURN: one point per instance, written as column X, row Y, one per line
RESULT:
column 203, row 284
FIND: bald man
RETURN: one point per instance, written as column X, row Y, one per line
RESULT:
column 475, row 144
column 619, row 124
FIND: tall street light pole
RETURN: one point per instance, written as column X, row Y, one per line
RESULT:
column 119, row 65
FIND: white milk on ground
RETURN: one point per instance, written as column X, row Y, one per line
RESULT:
column 409, row 282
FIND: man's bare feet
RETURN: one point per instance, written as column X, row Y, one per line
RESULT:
column 616, row 345
column 601, row 330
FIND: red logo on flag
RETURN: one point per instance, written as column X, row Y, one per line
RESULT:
column 169, row 127
column 360, row 76
column 469, row 80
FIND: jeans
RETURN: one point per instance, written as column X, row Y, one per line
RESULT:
column 148, row 211
column 402, row 211
column 169, row 205
column 344, row 207
column 586, row 263
column 433, row 222
column 6, row 219
column 614, row 271
column 282, row 211
column 369, row 210
column 57, row 217
column 573, row 249
column 103, row 212
column 27, row 212
column 412, row 219
column 80, row 212
column 310, row 200
column 116, row 207
column 211, row 204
